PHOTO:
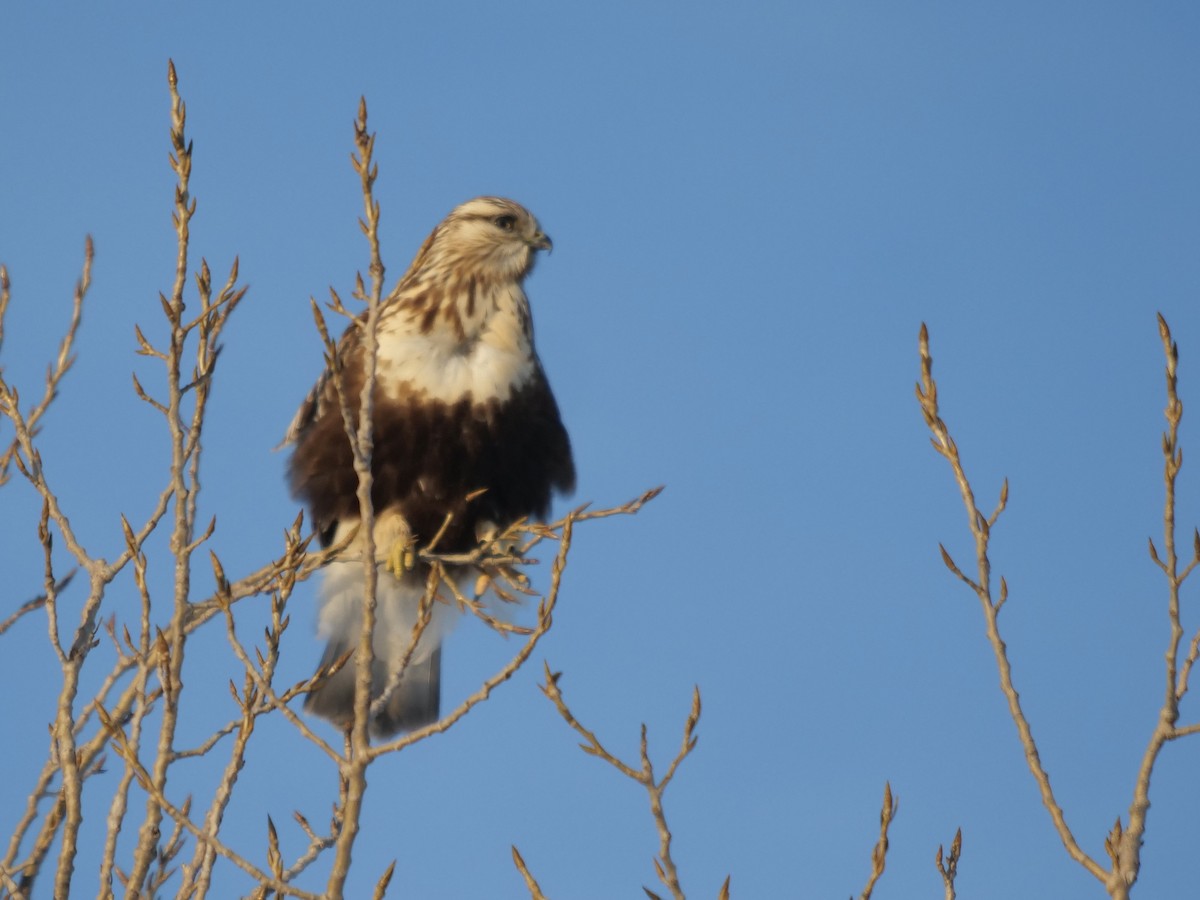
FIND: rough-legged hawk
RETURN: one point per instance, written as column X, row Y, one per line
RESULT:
column 465, row 426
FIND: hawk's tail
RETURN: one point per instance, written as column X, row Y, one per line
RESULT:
column 415, row 699
column 415, row 702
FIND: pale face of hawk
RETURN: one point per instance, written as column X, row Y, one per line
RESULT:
column 488, row 237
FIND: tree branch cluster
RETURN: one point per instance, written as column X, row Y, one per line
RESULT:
column 132, row 712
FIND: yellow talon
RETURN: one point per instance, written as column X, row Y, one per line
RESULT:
column 401, row 557
column 482, row 583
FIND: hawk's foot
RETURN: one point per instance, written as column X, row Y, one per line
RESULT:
column 401, row 557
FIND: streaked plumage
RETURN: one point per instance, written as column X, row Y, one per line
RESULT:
column 461, row 404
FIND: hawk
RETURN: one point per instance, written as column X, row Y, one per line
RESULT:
column 465, row 427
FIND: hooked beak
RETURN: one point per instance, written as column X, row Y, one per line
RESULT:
column 541, row 241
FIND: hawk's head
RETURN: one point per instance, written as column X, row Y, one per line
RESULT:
column 489, row 238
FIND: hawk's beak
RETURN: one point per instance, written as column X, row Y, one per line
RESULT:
column 541, row 241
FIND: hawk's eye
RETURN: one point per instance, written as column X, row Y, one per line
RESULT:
column 505, row 223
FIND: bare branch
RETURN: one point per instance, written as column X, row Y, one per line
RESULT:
column 879, row 854
column 361, row 441
column 980, row 529
column 1125, row 845
column 9, row 404
column 545, row 621
column 179, row 815
column 664, row 865
column 36, row 603
column 535, row 891
column 947, row 865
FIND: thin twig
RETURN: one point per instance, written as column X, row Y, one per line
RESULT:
column 545, row 619
column 1124, row 844
column 62, row 363
column 172, row 649
column 947, row 865
column 664, row 864
column 981, row 527
column 879, row 855
column 361, row 441
column 36, row 603
column 535, row 890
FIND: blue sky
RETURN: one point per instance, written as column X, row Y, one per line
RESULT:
column 753, row 211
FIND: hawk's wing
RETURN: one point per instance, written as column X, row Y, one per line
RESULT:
column 323, row 396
